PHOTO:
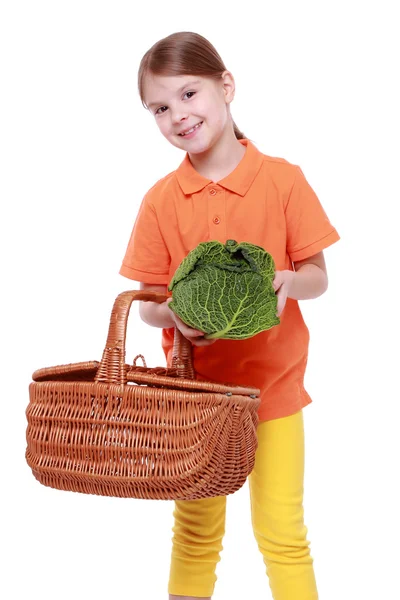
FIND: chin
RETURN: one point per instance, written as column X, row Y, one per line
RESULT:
column 200, row 147
column 199, row 150
column 194, row 149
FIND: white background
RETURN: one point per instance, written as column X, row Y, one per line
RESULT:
column 317, row 85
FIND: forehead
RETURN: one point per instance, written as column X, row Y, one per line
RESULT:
column 157, row 88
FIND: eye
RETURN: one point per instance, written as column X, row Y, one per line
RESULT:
column 186, row 93
column 160, row 109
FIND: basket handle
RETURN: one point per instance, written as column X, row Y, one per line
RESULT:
column 112, row 367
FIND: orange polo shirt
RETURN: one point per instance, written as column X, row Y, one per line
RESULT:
column 265, row 201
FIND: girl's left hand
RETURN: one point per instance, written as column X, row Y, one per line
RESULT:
column 282, row 283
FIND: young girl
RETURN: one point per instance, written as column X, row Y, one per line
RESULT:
column 225, row 188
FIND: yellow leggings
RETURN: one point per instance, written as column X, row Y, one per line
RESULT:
column 276, row 496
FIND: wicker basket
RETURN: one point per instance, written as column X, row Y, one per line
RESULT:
column 114, row 429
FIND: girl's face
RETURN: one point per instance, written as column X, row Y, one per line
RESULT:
column 191, row 112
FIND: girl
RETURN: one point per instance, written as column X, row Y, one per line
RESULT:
column 225, row 188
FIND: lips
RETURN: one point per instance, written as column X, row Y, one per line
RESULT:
column 187, row 131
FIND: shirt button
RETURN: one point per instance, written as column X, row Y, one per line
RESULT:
column 213, row 192
column 217, row 220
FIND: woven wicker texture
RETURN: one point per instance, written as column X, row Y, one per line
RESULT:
column 115, row 429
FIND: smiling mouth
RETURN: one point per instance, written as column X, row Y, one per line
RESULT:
column 190, row 130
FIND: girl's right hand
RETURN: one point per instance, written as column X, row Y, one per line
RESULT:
column 193, row 335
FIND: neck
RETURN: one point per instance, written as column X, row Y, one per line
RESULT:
column 221, row 159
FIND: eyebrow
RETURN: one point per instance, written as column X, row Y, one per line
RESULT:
column 190, row 83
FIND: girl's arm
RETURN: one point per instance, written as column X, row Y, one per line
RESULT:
column 156, row 315
column 308, row 280
column 159, row 315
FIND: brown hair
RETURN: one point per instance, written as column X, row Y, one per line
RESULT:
column 183, row 53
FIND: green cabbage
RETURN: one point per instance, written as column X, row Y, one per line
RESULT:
column 226, row 290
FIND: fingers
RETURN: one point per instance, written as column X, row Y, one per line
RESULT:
column 193, row 335
column 188, row 331
column 202, row 342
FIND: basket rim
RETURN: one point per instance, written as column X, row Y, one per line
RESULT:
column 119, row 389
column 141, row 376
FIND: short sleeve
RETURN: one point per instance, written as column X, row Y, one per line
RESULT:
column 146, row 258
column 308, row 228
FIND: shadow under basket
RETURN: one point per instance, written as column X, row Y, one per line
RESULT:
column 114, row 429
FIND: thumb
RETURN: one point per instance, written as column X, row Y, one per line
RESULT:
column 277, row 282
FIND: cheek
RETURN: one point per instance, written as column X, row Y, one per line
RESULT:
column 216, row 113
column 163, row 126
column 218, row 119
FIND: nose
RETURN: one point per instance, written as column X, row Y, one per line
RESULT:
column 178, row 114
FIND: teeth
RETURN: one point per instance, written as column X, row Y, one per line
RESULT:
column 190, row 130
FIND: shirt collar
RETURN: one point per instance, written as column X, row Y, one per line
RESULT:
column 239, row 181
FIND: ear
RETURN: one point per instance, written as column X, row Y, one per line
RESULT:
column 228, row 86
